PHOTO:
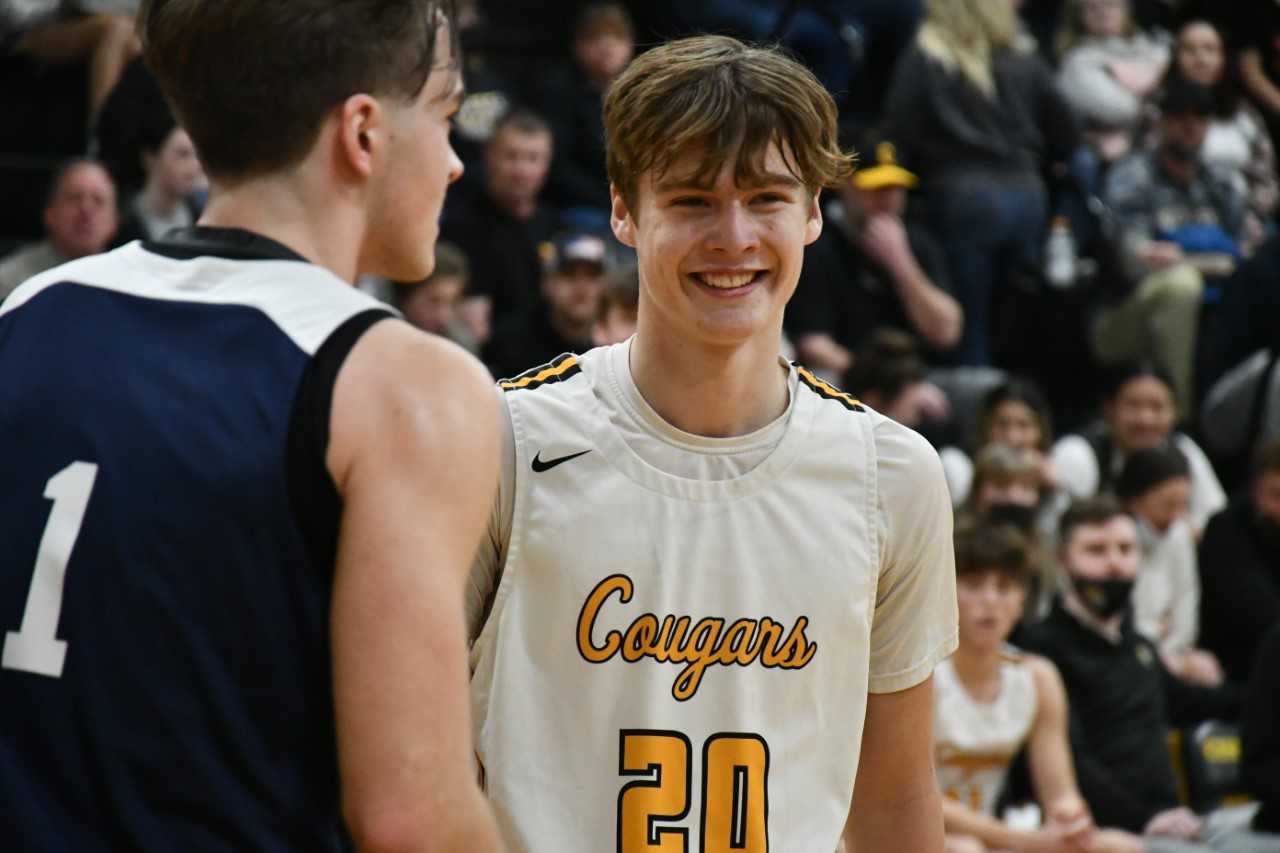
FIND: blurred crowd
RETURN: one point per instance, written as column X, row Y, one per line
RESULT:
column 1058, row 261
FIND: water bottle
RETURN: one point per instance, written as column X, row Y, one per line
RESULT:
column 1060, row 255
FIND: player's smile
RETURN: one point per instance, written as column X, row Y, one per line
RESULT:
column 729, row 283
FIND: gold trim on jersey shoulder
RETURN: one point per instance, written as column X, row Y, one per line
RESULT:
column 825, row 389
column 558, row 370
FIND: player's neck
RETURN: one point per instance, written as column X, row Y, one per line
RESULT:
column 324, row 231
column 978, row 670
column 717, row 392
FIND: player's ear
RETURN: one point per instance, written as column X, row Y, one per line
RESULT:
column 361, row 133
column 621, row 219
column 813, row 226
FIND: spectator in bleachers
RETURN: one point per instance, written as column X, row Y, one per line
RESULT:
column 888, row 375
column 1014, row 413
column 1240, row 569
column 1155, row 486
column 169, row 198
column 57, row 32
column 1237, row 141
column 1257, row 29
column 432, row 304
column 871, row 268
column 1261, row 735
column 1175, row 221
column 603, row 44
column 1107, row 69
column 978, row 121
column 80, row 219
column 1138, row 413
column 1122, row 698
column 503, row 227
column 566, row 316
column 619, row 307
column 991, row 701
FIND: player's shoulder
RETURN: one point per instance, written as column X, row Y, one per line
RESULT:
column 546, row 376
column 811, row 383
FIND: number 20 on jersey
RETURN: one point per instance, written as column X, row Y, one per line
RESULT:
column 734, row 800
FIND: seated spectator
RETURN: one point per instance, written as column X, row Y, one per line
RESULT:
column 979, row 121
column 1137, row 414
column 1013, row 413
column 1237, row 141
column 991, row 701
column 432, row 304
column 79, row 219
column 603, row 44
column 1257, row 28
column 1107, row 70
column 1240, row 569
column 619, row 307
column 56, row 32
column 1154, row 487
column 888, row 375
column 1122, row 698
column 1261, row 736
column 169, row 198
column 565, row 319
column 503, row 228
column 871, row 268
column 1175, row 220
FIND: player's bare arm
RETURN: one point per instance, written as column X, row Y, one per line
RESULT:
column 896, row 803
column 406, row 408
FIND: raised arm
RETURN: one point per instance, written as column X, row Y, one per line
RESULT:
column 414, row 451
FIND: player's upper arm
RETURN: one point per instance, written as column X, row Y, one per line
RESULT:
column 915, row 621
column 1048, row 745
column 414, row 452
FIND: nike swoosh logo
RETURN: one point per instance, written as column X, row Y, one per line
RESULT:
column 539, row 466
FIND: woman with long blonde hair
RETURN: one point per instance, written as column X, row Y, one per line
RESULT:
column 977, row 119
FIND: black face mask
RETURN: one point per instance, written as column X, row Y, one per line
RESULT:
column 1104, row 599
column 1021, row 516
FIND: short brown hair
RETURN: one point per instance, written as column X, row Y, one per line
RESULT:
column 251, row 81
column 729, row 98
column 984, row 546
column 1089, row 512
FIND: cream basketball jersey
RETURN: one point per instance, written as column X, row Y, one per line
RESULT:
column 681, row 632
column 975, row 742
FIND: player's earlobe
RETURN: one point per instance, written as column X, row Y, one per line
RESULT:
column 813, row 226
column 360, row 125
column 621, row 219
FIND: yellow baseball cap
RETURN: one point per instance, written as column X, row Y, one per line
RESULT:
column 886, row 172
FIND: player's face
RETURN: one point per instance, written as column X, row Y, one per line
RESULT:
column 717, row 263
column 81, row 219
column 1164, row 504
column 1106, row 551
column 1141, row 415
column 991, row 604
column 421, row 164
column 1015, row 424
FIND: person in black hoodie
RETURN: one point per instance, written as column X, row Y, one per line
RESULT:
column 1121, row 697
column 1261, row 747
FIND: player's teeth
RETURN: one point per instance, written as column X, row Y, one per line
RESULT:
column 728, row 281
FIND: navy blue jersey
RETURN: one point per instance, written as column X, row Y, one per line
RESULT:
column 167, row 539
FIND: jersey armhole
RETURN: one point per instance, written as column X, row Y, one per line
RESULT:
column 313, row 496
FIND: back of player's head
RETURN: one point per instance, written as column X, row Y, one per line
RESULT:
column 252, row 80
column 728, row 101
column 987, row 546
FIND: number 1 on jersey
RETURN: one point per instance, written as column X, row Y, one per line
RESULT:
column 34, row 647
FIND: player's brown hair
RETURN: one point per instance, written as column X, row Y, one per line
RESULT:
column 984, row 546
column 252, row 80
column 728, row 100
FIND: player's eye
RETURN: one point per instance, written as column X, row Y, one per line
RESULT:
column 688, row 201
